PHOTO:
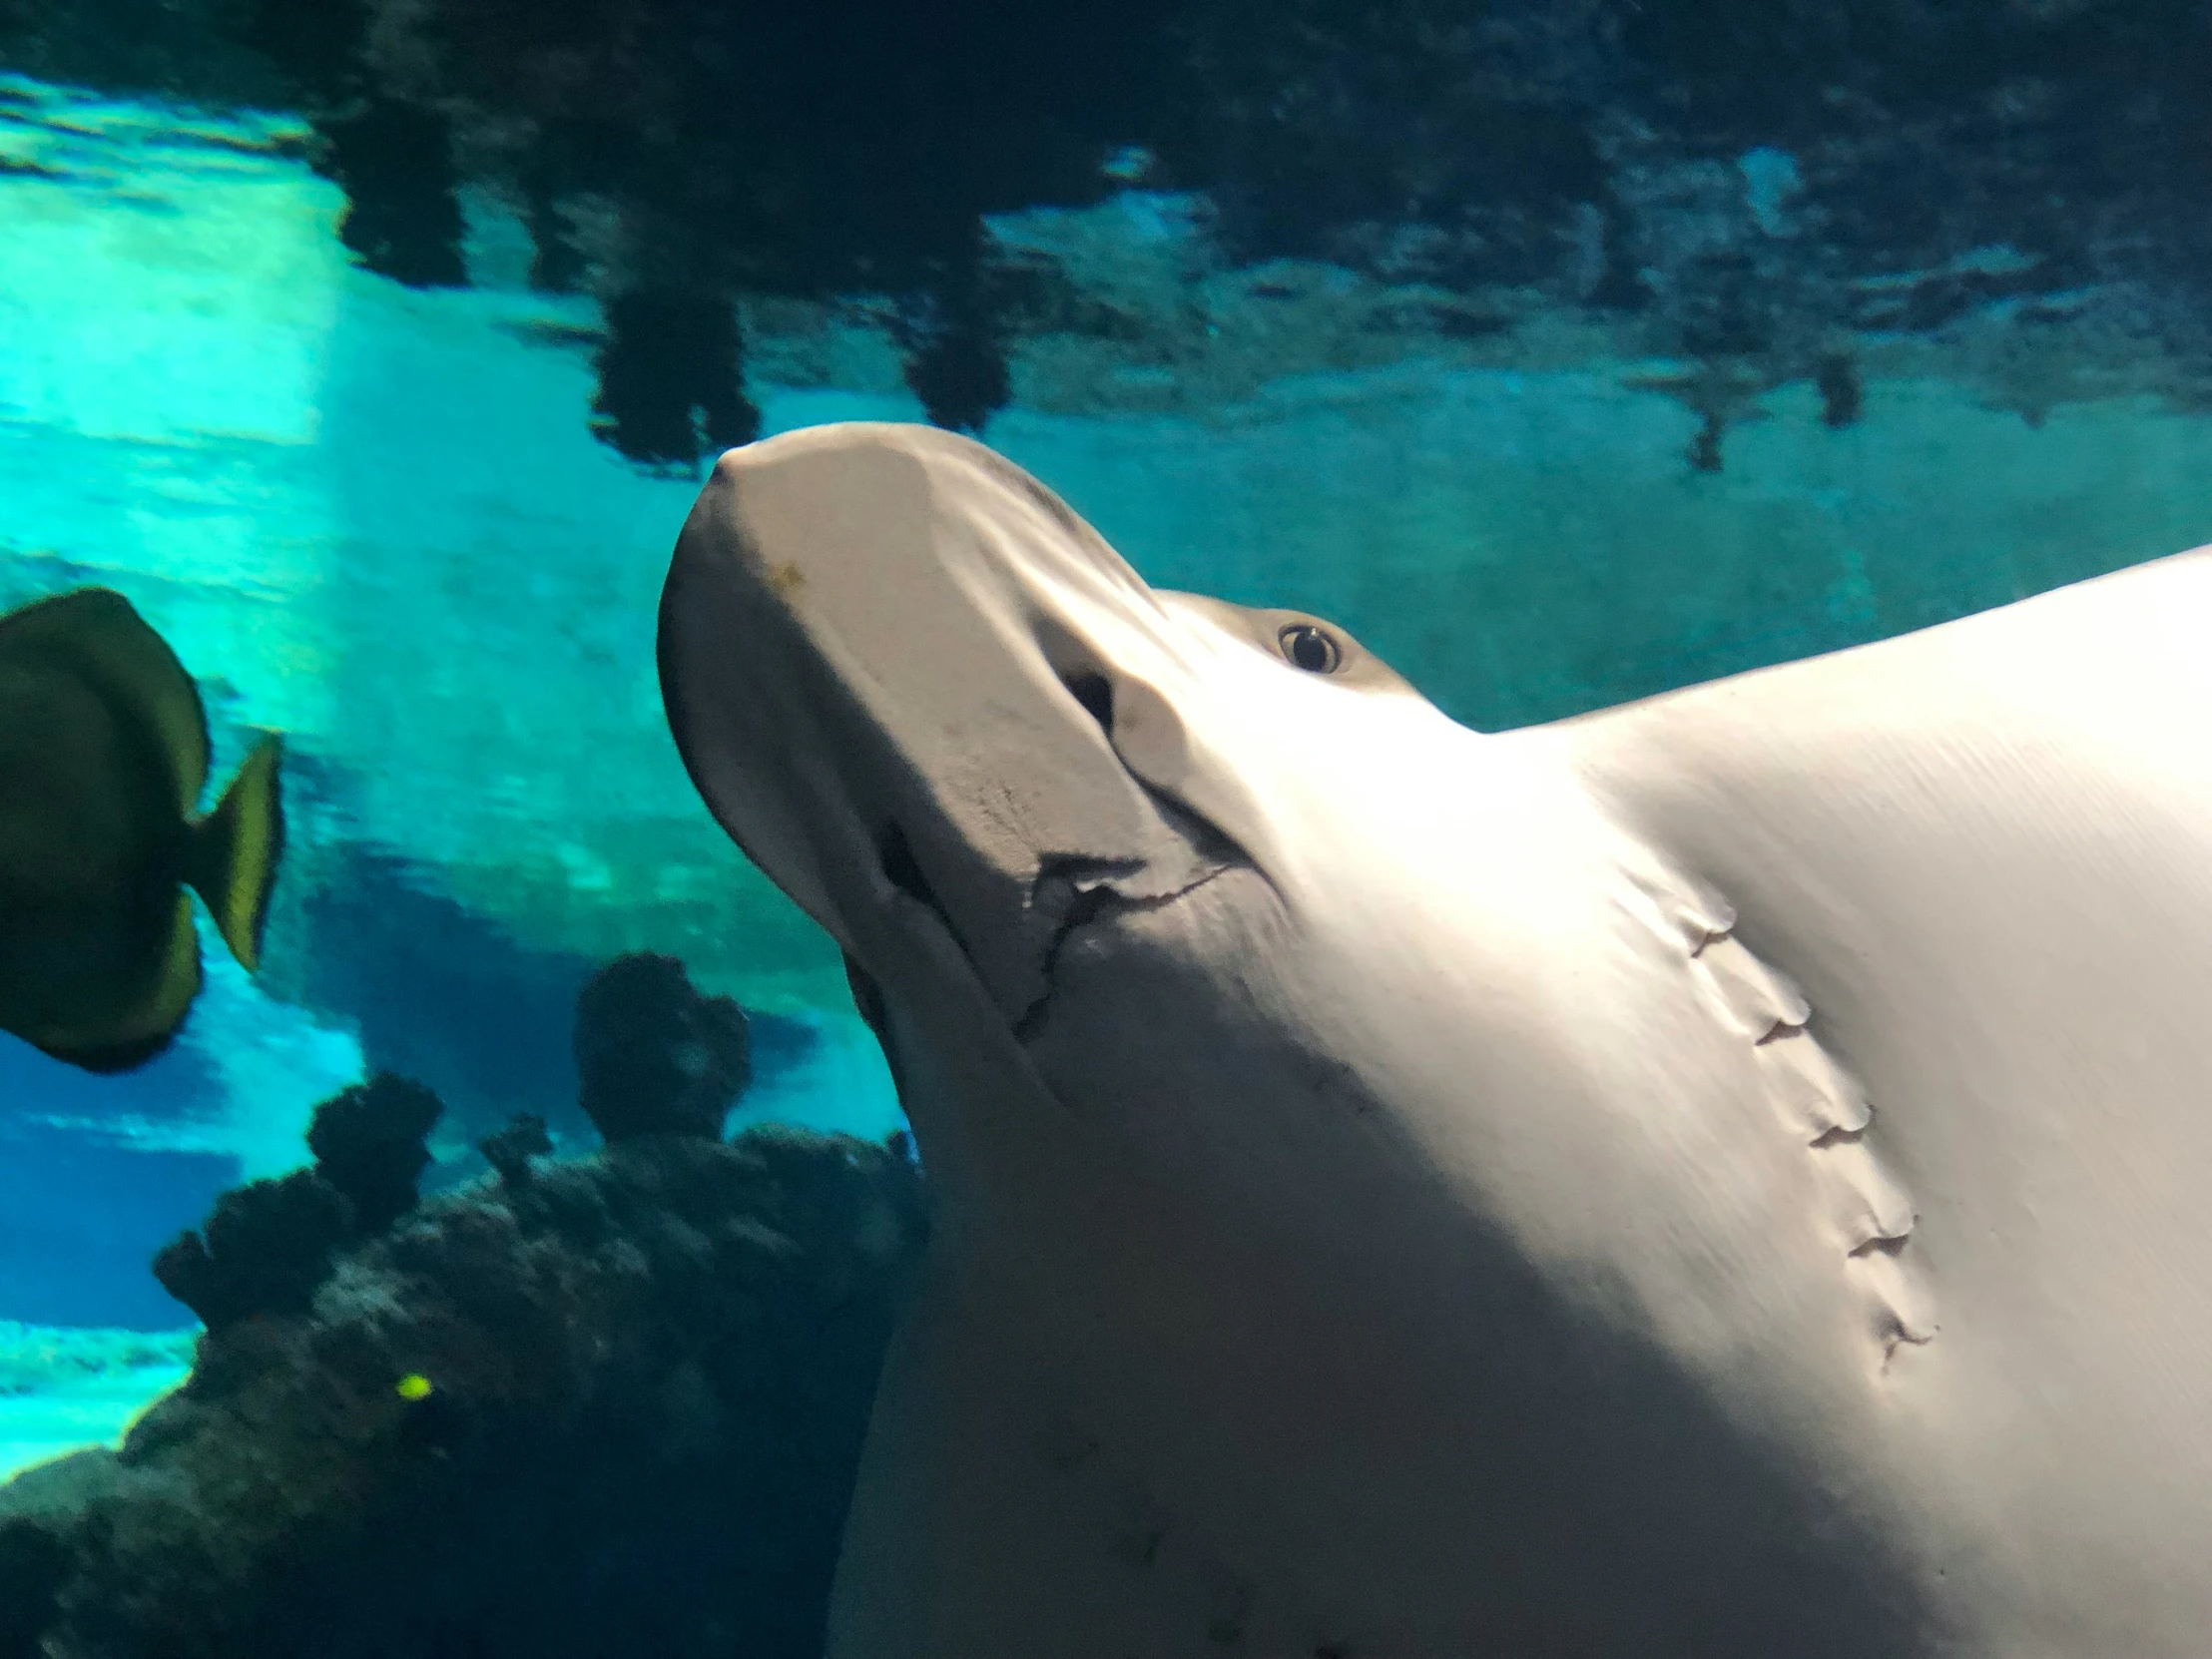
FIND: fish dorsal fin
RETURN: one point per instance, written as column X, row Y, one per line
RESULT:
column 235, row 852
column 96, row 632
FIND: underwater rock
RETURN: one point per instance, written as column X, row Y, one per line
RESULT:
column 33, row 1562
column 653, row 1056
column 268, row 1245
column 510, row 1150
column 264, row 1250
column 615, row 1411
column 446, row 993
column 369, row 1143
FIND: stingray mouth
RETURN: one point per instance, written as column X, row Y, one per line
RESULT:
column 1069, row 896
column 1078, row 894
column 998, row 824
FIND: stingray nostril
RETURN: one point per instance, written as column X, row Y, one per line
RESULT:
column 1096, row 693
column 903, row 869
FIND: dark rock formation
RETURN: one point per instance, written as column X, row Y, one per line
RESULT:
column 268, row 1245
column 653, row 1056
column 593, row 1408
column 33, row 1563
column 265, row 1250
column 510, row 1150
column 634, row 1394
column 369, row 1143
column 436, row 990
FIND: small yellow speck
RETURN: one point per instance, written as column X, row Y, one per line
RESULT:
column 787, row 579
column 414, row 1386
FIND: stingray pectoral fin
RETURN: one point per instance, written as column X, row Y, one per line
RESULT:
column 142, row 1031
column 236, row 850
column 987, row 1523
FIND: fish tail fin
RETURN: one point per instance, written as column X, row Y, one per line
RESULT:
column 236, row 851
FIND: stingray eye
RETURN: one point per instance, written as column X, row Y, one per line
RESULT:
column 1306, row 647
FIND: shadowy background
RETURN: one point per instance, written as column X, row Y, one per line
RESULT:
column 671, row 155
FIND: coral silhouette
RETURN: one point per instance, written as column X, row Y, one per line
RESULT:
column 265, row 1250
column 653, row 1056
column 269, row 1244
column 615, row 1411
column 510, row 1150
column 585, row 1409
column 33, row 1563
column 369, row 1143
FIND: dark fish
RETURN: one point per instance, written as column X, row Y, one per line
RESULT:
column 103, row 755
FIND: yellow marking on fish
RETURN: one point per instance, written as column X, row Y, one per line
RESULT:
column 414, row 1386
column 787, row 579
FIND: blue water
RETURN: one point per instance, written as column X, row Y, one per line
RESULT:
column 375, row 517
column 82, row 1211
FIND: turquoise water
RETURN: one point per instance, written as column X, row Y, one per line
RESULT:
column 375, row 517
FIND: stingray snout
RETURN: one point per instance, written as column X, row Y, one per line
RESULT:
column 890, row 665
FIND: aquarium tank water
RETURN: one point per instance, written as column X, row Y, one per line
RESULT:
column 1566, row 351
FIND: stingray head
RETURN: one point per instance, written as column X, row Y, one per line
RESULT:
column 944, row 717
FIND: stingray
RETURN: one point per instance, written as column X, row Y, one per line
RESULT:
column 1725, row 1174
